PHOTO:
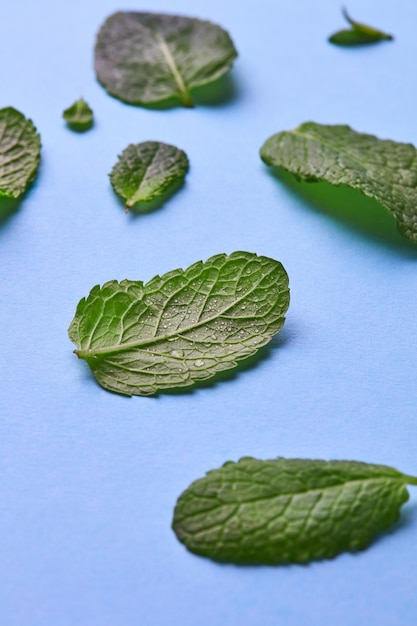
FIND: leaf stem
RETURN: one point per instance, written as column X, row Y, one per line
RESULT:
column 186, row 100
column 411, row 480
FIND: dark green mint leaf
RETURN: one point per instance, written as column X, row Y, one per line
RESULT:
column 380, row 169
column 79, row 116
column 358, row 34
column 20, row 146
column 288, row 510
column 148, row 58
column 147, row 171
column 182, row 327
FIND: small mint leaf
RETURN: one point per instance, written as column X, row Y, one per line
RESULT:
column 148, row 171
column 20, row 146
column 288, row 510
column 358, row 34
column 79, row 116
column 181, row 327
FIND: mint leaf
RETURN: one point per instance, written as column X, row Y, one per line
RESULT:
column 148, row 58
column 288, row 510
column 148, row 171
column 182, row 327
column 79, row 116
column 358, row 34
column 20, row 146
column 381, row 169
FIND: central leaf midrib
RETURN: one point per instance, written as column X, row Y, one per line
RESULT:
column 139, row 344
column 139, row 190
column 170, row 61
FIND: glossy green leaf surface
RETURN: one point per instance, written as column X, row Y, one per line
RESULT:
column 288, row 510
column 147, row 171
column 148, row 58
column 358, row 34
column 381, row 169
column 79, row 116
column 20, row 146
column 181, row 327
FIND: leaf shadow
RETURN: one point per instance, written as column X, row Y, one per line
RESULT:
column 408, row 518
column 262, row 355
column 143, row 208
column 220, row 92
column 357, row 44
column 8, row 207
column 359, row 213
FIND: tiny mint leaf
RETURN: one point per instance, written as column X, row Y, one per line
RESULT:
column 182, row 327
column 358, row 34
column 381, row 169
column 288, row 510
column 20, row 146
column 79, row 116
column 148, row 171
column 149, row 58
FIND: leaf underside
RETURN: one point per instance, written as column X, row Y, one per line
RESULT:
column 79, row 116
column 148, row 171
column 148, row 58
column 287, row 510
column 20, row 146
column 182, row 327
column 381, row 169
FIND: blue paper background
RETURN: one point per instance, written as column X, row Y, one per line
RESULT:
column 88, row 479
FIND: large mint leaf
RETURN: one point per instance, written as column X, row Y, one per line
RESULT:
column 20, row 146
column 182, row 327
column 381, row 169
column 288, row 510
column 147, row 58
column 148, row 171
